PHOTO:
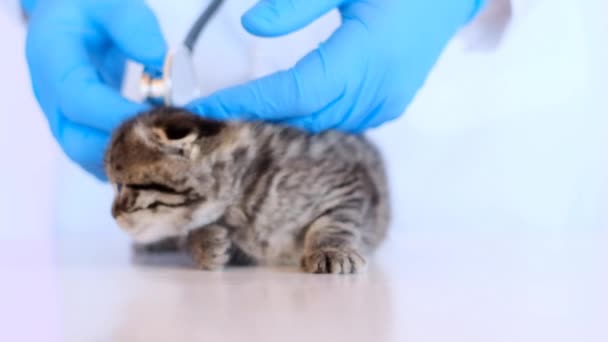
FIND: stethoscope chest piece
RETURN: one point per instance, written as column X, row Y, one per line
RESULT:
column 175, row 85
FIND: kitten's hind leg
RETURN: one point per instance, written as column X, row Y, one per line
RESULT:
column 209, row 247
column 332, row 243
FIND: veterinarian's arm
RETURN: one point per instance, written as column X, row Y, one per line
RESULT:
column 76, row 51
column 364, row 75
column 493, row 23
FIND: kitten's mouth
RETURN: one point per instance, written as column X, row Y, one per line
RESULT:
column 159, row 204
column 158, row 187
column 125, row 203
column 125, row 223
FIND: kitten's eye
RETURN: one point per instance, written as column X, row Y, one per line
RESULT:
column 118, row 187
column 178, row 130
column 153, row 187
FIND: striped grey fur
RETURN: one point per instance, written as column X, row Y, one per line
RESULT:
column 271, row 193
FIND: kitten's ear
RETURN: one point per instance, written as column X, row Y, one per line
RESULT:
column 183, row 129
column 175, row 133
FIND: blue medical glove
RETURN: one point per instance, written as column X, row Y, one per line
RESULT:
column 76, row 52
column 364, row 75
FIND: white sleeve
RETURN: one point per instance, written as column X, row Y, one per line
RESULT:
column 490, row 26
column 521, row 7
column 11, row 9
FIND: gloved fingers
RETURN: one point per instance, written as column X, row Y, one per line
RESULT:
column 322, row 120
column 259, row 99
column 375, row 101
column 270, row 18
column 84, row 146
column 478, row 6
column 64, row 76
column 357, row 115
column 87, row 101
column 51, row 52
column 111, row 65
column 378, row 115
column 134, row 28
column 28, row 5
column 351, row 123
column 307, row 88
column 387, row 111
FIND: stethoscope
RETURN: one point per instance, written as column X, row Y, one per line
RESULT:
column 177, row 83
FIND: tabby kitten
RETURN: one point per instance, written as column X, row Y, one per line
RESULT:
column 273, row 194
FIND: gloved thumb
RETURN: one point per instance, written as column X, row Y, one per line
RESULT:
column 133, row 27
column 306, row 88
column 27, row 6
column 270, row 18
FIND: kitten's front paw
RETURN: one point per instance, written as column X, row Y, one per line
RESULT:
column 333, row 260
column 210, row 247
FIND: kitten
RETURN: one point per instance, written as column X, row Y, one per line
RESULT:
column 273, row 194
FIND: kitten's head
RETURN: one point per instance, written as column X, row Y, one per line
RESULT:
column 161, row 164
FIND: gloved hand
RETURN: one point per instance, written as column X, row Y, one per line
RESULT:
column 364, row 75
column 76, row 53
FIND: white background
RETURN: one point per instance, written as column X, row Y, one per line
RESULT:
column 514, row 135
column 499, row 174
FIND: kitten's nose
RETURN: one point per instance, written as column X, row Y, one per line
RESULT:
column 116, row 209
column 122, row 202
